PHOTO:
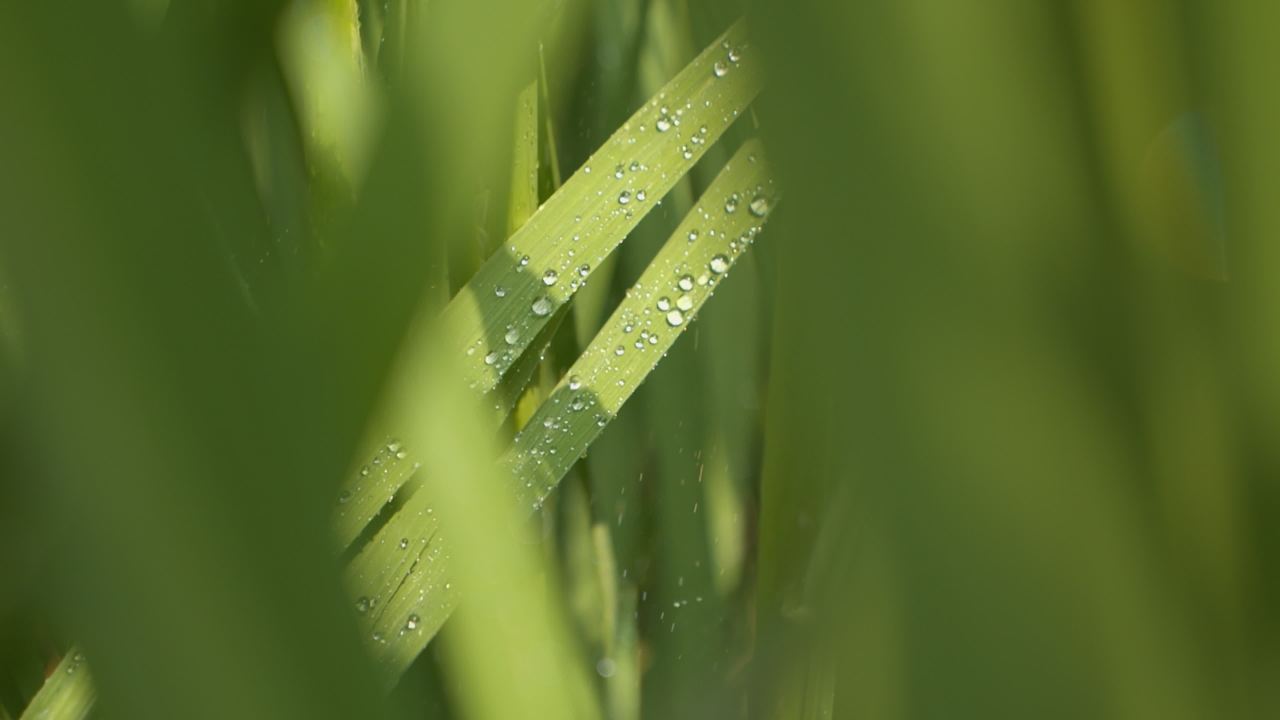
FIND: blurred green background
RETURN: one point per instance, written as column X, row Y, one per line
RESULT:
column 983, row 426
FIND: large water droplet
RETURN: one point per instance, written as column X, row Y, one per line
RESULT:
column 685, row 303
column 759, row 206
column 549, row 278
column 542, row 306
column 718, row 264
column 685, row 283
column 662, row 124
column 675, row 318
column 512, row 336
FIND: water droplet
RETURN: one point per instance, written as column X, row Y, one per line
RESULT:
column 624, row 197
column 363, row 604
column 663, row 124
column 412, row 622
column 344, row 496
column 619, row 350
column 584, row 270
column 549, row 278
column 635, row 166
column 664, row 303
column 618, row 172
column 524, row 260
column 720, row 69
column 685, row 303
column 641, row 195
column 605, row 668
column 685, row 152
column 685, row 283
column 404, row 543
column 577, row 404
column 718, row 264
column 491, row 358
column 601, row 421
column 693, row 235
column 542, row 306
column 759, row 206
column 401, row 455
column 675, row 318
column 731, row 205
column 393, row 446
column 574, row 382
column 512, row 336
column 734, row 55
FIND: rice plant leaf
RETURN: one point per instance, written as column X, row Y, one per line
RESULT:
column 493, row 320
column 657, row 309
column 402, row 572
column 67, row 694
column 545, row 261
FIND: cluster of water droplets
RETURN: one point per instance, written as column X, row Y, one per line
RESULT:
column 385, row 463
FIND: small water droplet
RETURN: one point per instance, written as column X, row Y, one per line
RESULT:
column 363, row 604
column 664, row 303
column 624, row 197
column 574, row 382
column 491, row 358
column 731, row 205
column 512, row 336
column 619, row 350
column 549, row 278
column 759, row 206
column 584, row 270
column 641, row 195
column 718, row 264
column 720, row 69
column 693, row 235
column 542, row 306
column 734, row 55
column 605, row 668
column 500, row 291
column 404, row 543
column 344, row 496
column 675, row 318
column 412, row 622
column 662, row 124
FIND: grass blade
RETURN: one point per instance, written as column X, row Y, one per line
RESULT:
column 544, row 263
column 67, row 694
column 493, row 318
column 657, row 309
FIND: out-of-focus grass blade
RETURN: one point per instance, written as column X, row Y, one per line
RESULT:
column 657, row 309
column 67, row 694
column 544, row 263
